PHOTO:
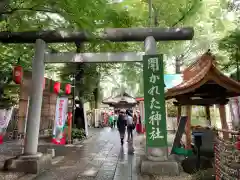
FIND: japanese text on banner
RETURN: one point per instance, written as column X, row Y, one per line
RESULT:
column 154, row 100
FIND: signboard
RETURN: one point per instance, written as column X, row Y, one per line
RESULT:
column 85, row 118
column 154, row 101
column 59, row 136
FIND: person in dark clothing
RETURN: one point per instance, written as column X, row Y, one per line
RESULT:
column 130, row 124
column 121, row 125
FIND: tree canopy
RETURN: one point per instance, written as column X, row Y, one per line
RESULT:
column 212, row 20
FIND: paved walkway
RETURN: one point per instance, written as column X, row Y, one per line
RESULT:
column 100, row 158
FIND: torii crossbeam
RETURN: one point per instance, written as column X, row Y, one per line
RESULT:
column 110, row 34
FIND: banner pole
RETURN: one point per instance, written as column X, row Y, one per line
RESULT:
column 25, row 125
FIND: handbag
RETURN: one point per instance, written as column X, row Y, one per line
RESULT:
column 133, row 126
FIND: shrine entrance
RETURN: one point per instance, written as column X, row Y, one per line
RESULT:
column 156, row 146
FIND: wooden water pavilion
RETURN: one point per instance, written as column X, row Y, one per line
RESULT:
column 203, row 85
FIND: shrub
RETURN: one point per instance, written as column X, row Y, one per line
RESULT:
column 78, row 133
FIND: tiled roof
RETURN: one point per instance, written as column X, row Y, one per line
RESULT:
column 120, row 98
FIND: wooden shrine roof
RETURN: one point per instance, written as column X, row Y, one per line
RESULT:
column 120, row 99
column 202, row 80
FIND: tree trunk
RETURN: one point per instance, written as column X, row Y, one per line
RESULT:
column 178, row 65
column 96, row 93
column 79, row 116
column 96, row 97
column 155, row 13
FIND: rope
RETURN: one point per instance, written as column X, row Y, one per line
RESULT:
column 227, row 156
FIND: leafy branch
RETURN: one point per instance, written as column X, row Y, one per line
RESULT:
column 187, row 13
column 12, row 11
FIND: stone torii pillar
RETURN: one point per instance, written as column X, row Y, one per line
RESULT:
column 157, row 160
column 35, row 103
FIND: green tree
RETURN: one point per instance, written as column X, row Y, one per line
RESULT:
column 210, row 20
column 231, row 45
column 205, row 16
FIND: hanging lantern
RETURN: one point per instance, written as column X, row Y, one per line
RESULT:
column 56, row 87
column 68, row 89
column 18, row 74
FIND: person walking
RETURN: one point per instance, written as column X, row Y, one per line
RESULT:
column 111, row 119
column 115, row 118
column 130, row 125
column 121, row 125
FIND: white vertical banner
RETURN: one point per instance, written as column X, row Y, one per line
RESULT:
column 85, row 118
column 60, row 117
column 96, row 118
column 235, row 112
column 5, row 117
column 141, row 109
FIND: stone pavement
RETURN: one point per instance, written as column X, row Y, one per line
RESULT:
column 100, row 158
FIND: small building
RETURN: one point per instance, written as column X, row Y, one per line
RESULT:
column 203, row 85
column 122, row 100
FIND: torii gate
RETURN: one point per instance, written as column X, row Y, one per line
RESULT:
column 148, row 35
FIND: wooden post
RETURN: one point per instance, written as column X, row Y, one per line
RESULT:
column 208, row 115
column 188, row 127
column 222, row 112
column 69, row 127
column 179, row 113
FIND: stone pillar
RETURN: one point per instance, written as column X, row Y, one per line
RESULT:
column 156, row 160
column 154, row 154
column 35, row 103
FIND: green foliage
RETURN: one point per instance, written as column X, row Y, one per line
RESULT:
column 231, row 45
column 78, row 134
column 207, row 18
column 171, row 109
column 72, row 15
column 9, row 56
